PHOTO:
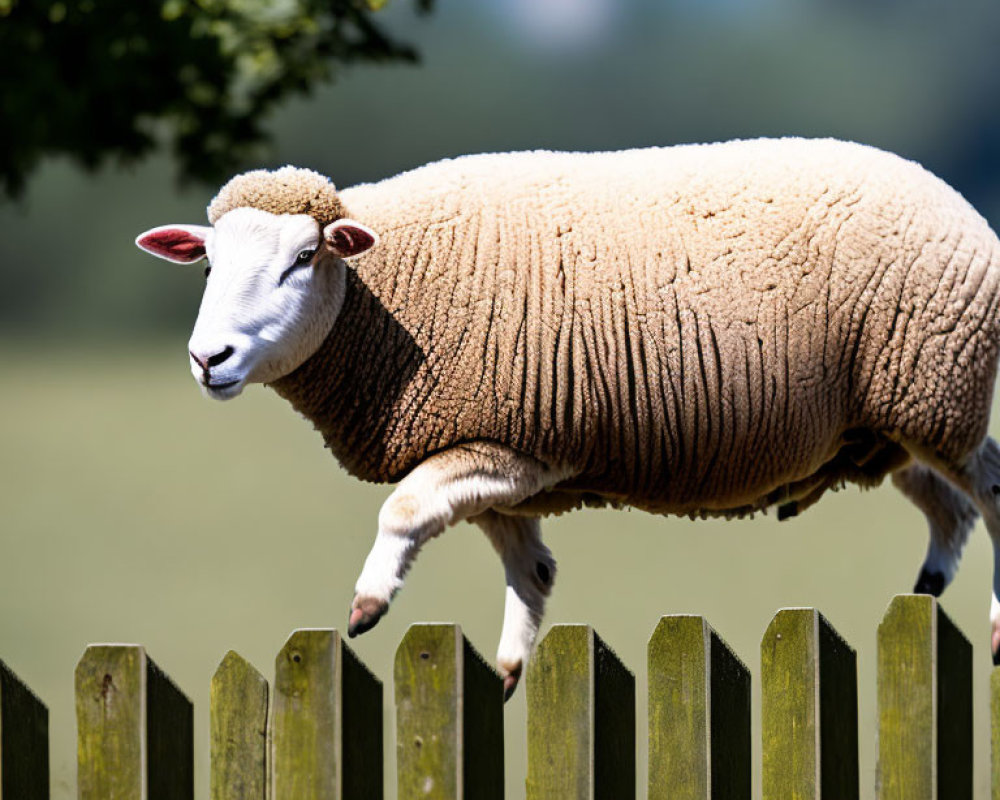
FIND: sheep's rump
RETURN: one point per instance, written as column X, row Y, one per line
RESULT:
column 707, row 328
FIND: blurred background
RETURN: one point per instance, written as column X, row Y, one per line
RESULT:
column 131, row 509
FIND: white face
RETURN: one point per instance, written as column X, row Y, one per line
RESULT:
column 275, row 285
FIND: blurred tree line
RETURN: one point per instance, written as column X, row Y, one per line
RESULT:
column 112, row 79
column 215, row 80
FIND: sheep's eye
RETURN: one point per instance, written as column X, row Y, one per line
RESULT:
column 301, row 260
column 208, row 271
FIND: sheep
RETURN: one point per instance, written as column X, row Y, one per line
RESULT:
column 699, row 330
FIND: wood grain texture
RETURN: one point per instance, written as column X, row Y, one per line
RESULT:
column 238, row 711
column 699, row 714
column 808, row 709
column 111, row 723
column 449, row 718
column 581, row 719
column 924, row 704
column 134, row 728
column 326, row 722
column 24, row 741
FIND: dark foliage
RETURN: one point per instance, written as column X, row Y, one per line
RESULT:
column 100, row 79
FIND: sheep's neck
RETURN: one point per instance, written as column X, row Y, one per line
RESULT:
column 352, row 388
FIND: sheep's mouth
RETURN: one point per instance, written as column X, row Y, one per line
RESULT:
column 222, row 391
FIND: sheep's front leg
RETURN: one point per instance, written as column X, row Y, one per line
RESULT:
column 530, row 572
column 448, row 487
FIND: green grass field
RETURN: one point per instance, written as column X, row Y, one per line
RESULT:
column 134, row 510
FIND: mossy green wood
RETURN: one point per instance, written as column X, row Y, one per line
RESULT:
column 924, row 704
column 134, row 728
column 581, row 719
column 449, row 718
column 24, row 741
column 321, row 691
column 111, row 723
column 238, row 711
column 809, row 702
column 699, row 714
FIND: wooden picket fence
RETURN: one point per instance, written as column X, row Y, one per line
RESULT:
column 316, row 734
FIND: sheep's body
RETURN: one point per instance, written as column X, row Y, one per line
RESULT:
column 706, row 329
column 696, row 329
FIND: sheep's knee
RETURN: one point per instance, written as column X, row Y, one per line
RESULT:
column 446, row 488
column 529, row 572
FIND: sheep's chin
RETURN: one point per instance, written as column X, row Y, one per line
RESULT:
column 223, row 393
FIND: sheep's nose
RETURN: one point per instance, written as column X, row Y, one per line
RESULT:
column 206, row 362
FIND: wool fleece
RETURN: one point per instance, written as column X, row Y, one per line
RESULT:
column 702, row 329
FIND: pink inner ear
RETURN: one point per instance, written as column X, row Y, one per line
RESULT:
column 174, row 243
column 349, row 240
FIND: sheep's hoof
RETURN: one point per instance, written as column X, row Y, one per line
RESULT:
column 510, row 680
column 365, row 614
column 995, row 643
column 931, row 583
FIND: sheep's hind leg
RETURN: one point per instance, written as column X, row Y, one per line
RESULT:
column 950, row 517
column 447, row 488
column 979, row 477
column 530, row 572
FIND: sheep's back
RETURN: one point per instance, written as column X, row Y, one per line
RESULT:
column 687, row 328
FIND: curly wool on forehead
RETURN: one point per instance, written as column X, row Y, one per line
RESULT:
column 289, row 190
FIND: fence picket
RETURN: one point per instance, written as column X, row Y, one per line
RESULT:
column 924, row 704
column 24, row 741
column 317, row 735
column 449, row 718
column 809, row 709
column 321, row 692
column 581, row 719
column 134, row 727
column 238, row 711
column 699, row 714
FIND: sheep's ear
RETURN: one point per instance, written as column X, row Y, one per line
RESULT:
column 182, row 244
column 348, row 238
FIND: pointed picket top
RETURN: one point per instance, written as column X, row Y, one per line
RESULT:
column 809, row 709
column 449, row 718
column 24, row 740
column 924, row 703
column 581, row 719
column 134, row 728
column 238, row 700
column 321, row 691
column 699, row 714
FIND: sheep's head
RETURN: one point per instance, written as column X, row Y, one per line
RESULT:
column 275, row 278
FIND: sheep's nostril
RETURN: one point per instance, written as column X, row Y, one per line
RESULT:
column 218, row 358
column 198, row 360
column 207, row 362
